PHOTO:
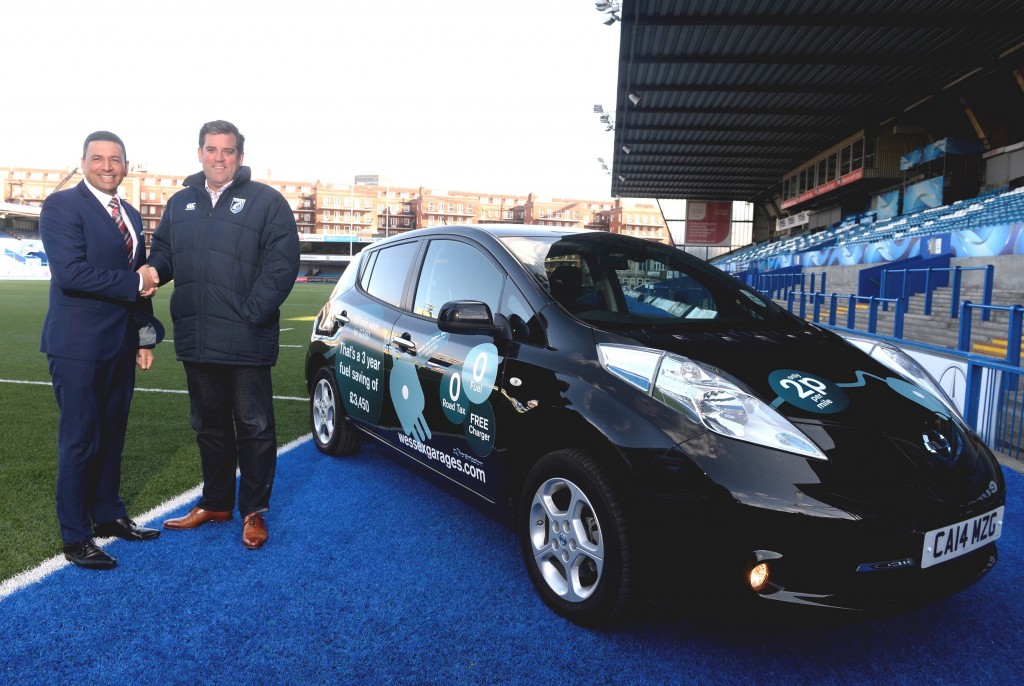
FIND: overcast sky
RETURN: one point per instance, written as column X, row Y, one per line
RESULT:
column 475, row 95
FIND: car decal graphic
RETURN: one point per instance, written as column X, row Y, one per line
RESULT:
column 465, row 393
column 906, row 389
column 407, row 397
column 480, row 429
column 359, row 366
column 453, row 463
column 806, row 391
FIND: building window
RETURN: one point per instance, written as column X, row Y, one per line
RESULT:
column 869, row 153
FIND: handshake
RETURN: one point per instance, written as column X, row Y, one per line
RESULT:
column 150, row 281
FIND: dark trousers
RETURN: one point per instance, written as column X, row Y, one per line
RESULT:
column 93, row 398
column 232, row 412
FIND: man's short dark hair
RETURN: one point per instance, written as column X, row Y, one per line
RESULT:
column 221, row 126
column 104, row 136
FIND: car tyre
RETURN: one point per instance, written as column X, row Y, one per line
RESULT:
column 574, row 538
column 327, row 417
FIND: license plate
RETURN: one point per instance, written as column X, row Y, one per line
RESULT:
column 950, row 542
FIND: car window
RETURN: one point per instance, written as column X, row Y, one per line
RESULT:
column 621, row 283
column 577, row 284
column 454, row 270
column 668, row 294
column 385, row 275
column 367, row 267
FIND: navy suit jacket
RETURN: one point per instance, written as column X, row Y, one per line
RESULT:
column 93, row 291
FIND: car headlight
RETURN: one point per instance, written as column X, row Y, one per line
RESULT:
column 706, row 398
column 906, row 366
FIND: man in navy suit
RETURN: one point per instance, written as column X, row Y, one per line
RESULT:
column 99, row 307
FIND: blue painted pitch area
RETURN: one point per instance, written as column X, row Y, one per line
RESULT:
column 373, row 576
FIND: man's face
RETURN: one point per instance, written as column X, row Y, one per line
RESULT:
column 104, row 166
column 220, row 159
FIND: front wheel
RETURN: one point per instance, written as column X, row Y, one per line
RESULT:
column 574, row 538
column 327, row 418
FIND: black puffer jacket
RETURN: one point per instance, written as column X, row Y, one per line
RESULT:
column 232, row 265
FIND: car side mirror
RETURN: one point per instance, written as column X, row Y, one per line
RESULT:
column 470, row 317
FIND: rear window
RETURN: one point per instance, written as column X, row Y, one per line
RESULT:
column 384, row 275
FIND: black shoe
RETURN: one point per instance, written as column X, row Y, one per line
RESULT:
column 88, row 555
column 124, row 528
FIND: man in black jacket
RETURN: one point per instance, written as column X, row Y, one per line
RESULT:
column 232, row 248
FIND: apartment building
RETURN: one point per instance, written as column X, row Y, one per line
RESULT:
column 361, row 213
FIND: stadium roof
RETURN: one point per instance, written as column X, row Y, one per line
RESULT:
column 15, row 209
column 719, row 99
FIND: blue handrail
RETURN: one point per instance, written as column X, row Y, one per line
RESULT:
column 955, row 288
column 873, row 303
column 1014, row 327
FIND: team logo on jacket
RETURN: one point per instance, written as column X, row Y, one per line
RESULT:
column 237, row 204
column 190, row 206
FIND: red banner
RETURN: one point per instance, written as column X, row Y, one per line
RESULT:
column 855, row 175
column 708, row 222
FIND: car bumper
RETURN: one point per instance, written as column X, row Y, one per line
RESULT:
column 700, row 539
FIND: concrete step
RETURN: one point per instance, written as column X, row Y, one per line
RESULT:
column 995, row 347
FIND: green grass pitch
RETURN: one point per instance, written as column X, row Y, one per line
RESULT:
column 160, row 458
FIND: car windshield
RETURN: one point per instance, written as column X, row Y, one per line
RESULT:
column 619, row 282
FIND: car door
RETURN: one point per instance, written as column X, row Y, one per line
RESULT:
column 366, row 315
column 441, row 384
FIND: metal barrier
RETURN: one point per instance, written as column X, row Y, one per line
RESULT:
column 781, row 286
column 929, row 285
column 1013, row 328
column 993, row 404
column 873, row 303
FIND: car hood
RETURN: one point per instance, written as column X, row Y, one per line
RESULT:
column 885, row 437
column 808, row 375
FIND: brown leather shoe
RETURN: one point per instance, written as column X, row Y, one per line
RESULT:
column 195, row 517
column 254, row 531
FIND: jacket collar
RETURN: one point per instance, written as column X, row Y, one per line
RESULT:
column 198, row 180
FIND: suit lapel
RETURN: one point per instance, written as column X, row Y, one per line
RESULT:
column 97, row 208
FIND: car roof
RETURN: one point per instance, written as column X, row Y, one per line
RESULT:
column 495, row 230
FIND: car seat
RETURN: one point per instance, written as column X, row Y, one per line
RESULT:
column 566, row 285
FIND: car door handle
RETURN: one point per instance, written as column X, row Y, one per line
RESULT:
column 405, row 343
column 342, row 317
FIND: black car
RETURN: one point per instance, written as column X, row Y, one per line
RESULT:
column 649, row 426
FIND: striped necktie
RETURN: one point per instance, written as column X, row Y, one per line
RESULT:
column 115, row 212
